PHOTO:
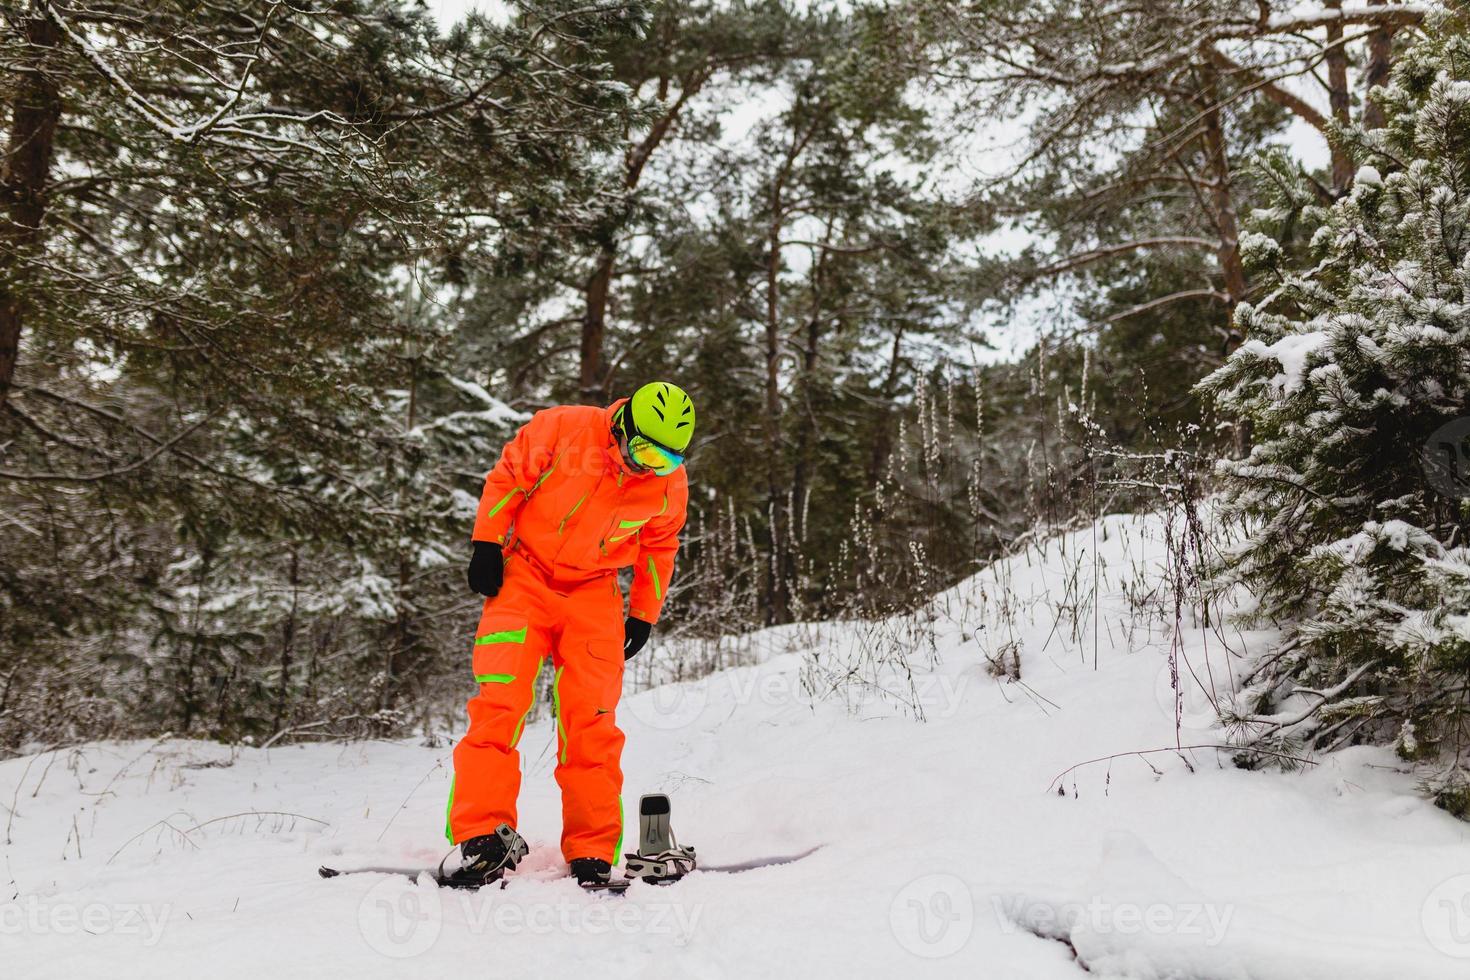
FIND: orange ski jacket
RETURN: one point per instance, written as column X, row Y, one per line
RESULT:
column 562, row 497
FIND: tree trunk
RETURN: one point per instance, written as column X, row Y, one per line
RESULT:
column 23, row 180
column 801, row 476
column 883, row 442
column 775, row 581
column 288, row 641
column 593, row 382
column 1337, row 88
column 776, row 590
column 1222, row 204
column 402, row 648
column 189, row 701
column 1380, row 58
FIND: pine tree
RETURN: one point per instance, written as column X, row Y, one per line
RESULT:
column 1356, row 380
column 220, row 503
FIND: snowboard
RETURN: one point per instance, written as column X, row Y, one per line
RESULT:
column 615, row 885
column 659, row 859
column 412, row 874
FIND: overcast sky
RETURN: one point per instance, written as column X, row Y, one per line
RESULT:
column 449, row 11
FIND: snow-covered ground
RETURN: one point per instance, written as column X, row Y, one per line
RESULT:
column 962, row 845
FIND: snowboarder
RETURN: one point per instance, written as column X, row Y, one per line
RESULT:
column 579, row 493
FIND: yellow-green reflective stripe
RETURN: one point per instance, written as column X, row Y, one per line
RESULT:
column 503, row 501
column 520, row 725
column 658, row 589
column 506, row 499
column 449, row 807
column 495, row 678
column 561, row 729
column 503, row 636
column 622, row 828
column 633, row 523
column 570, row 513
column 542, row 479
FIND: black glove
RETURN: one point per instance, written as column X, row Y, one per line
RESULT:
column 487, row 569
column 635, row 634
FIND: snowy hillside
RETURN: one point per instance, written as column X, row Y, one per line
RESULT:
column 969, row 844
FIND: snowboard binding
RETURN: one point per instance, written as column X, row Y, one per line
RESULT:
column 481, row 860
column 659, row 859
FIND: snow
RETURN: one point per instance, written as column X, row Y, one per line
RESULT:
column 1308, row 17
column 978, row 842
column 1291, row 352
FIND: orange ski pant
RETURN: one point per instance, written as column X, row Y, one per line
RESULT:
column 581, row 627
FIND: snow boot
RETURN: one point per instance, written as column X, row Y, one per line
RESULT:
column 481, row 860
column 591, row 871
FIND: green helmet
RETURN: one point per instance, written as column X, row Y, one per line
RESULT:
column 663, row 413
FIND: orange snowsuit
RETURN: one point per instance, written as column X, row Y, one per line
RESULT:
column 570, row 513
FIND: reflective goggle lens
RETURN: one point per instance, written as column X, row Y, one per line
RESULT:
column 652, row 456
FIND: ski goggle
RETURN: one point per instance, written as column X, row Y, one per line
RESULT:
column 661, row 460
